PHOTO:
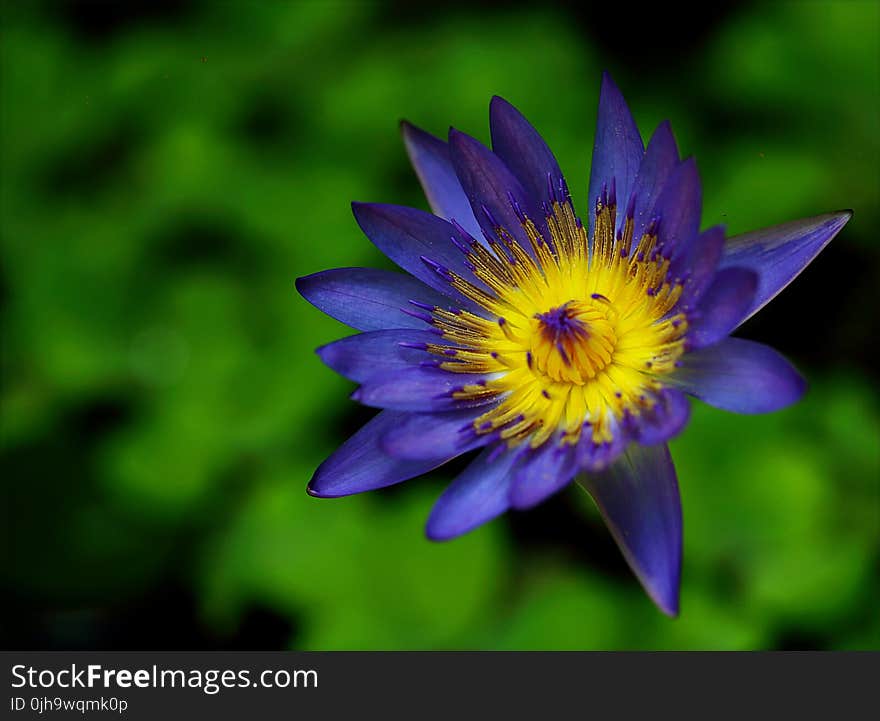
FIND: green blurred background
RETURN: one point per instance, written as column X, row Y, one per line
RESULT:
column 168, row 170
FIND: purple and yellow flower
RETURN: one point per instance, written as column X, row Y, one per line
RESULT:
column 562, row 349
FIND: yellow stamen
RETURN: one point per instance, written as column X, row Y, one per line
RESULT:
column 580, row 338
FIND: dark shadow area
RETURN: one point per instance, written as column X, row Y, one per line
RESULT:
column 165, row 619
column 102, row 164
column 100, row 21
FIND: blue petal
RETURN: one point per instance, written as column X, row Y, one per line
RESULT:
column 433, row 165
column 360, row 465
column 367, row 298
column 703, row 258
column 409, row 236
column 593, row 456
column 541, row 473
column 666, row 419
column 424, row 435
column 722, row 306
column 478, row 495
column 618, row 149
column 638, row 497
column 679, row 207
column 780, row 253
column 490, row 187
column 360, row 357
column 524, row 151
column 740, row 376
column 418, row 389
column 661, row 158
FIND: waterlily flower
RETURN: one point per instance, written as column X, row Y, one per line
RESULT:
column 562, row 349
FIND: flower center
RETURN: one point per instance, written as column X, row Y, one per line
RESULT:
column 576, row 335
column 573, row 342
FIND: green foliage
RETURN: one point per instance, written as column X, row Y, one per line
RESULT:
column 162, row 409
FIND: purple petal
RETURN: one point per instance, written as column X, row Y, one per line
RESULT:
column 422, row 435
column 661, row 158
column 418, row 389
column 368, row 298
column 704, row 255
column 490, row 186
column 593, row 456
column 541, row 473
column 679, row 206
column 638, row 497
column 666, row 419
column 360, row 357
column 618, row 148
column 479, row 494
column 360, row 465
column 433, row 165
column 524, row 151
column 722, row 306
column 407, row 236
column 780, row 253
column 740, row 376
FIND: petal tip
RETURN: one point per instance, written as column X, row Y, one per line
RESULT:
column 499, row 105
column 611, row 91
column 843, row 216
column 798, row 387
column 357, row 209
column 309, row 288
column 669, row 606
column 361, row 205
column 456, row 137
column 665, row 593
column 411, row 132
column 608, row 80
column 314, row 488
column 437, row 535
